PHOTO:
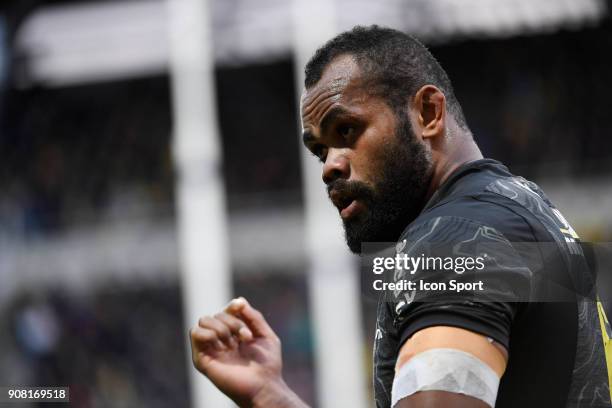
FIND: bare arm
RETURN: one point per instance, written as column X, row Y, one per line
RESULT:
column 438, row 399
column 492, row 354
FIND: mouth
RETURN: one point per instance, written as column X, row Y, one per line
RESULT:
column 347, row 206
column 354, row 208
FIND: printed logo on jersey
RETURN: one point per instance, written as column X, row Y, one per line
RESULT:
column 568, row 233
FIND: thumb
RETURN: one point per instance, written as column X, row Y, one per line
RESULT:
column 253, row 318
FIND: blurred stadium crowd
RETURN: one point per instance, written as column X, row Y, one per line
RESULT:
column 83, row 156
column 124, row 347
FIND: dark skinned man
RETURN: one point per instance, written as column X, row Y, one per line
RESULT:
column 401, row 165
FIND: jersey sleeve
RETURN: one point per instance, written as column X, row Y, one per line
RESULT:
column 455, row 253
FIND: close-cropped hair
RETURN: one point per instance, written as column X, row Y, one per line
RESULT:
column 394, row 66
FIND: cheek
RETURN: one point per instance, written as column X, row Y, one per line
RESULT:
column 369, row 155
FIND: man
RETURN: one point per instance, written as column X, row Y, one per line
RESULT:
column 401, row 165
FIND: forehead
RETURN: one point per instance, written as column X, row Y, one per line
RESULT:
column 338, row 81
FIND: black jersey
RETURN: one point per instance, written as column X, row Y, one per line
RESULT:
column 553, row 336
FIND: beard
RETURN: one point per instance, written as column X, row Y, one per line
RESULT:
column 398, row 195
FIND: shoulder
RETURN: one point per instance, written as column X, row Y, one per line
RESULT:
column 510, row 205
column 468, row 217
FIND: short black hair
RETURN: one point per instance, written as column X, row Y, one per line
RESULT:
column 395, row 66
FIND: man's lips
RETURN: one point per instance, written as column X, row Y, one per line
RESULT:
column 354, row 208
column 347, row 206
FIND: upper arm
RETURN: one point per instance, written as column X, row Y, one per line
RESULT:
column 477, row 324
column 440, row 399
column 486, row 351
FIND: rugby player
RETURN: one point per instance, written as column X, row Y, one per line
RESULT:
column 401, row 165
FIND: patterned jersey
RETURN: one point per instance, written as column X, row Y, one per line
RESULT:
column 542, row 303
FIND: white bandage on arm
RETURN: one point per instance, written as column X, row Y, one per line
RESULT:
column 445, row 369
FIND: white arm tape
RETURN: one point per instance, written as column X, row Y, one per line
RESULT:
column 445, row 369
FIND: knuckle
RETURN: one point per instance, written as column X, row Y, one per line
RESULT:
column 207, row 336
column 202, row 335
column 229, row 320
column 224, row 332
column 234, row 323
column 221, row 330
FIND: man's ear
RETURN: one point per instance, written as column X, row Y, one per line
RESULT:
column 430, row 105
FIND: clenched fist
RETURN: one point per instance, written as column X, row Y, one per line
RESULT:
column 239, row 352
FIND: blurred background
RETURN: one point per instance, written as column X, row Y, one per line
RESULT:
column 107, row 231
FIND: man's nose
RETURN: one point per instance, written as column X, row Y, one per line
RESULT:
column 336, row 166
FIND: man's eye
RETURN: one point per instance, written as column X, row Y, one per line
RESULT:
column 320, row 153
column 346, row 131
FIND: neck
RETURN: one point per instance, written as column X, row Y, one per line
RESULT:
column 464, row 150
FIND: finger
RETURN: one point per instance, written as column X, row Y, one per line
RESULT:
column 205, row 337
column 237, row 326
column 222, row 331
column 240, row 307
